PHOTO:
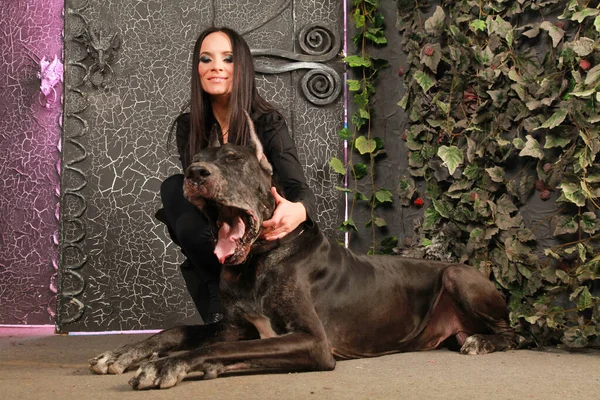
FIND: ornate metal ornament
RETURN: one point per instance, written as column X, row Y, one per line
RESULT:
column 321, row 85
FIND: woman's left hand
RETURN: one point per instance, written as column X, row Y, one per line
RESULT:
column 287, row 216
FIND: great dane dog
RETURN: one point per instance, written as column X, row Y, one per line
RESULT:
column 301, row 303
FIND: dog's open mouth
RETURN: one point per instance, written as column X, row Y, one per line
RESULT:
column 237, row 230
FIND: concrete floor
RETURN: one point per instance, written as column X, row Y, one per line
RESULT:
column 35, row 364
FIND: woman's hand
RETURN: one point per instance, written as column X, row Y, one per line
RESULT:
column 285, row 219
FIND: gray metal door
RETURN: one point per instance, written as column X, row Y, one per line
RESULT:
column 126, row 78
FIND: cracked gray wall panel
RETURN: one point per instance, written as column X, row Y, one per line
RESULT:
column 120, row 268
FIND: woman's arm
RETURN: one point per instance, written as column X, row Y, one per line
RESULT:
column 281, row 152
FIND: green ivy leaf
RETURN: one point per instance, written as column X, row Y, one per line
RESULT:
column 348, row 225
column 584, row 300
column 425, row 80
column 582, row 47
column 361, row 99
column 555, row 119
column 471, row 171
column 415, row 159
column 564, row 224
column 359, row 170
column 359, row 18
column 353, row 85
column 476, row 233
column 343, row 189
column 384, row 196
column 442, row 207
column 434, row 25
column 518, row 143
column 496, row 173
column 572, row 192
column 431, row 218
column 579, row 16
column 532, row 148
column 498, row 26
column 506, row 222
column 360, row 196
column 337, row 165
column 432, row 61
column 593, row 75
column 556, row 140
column 597, row 24
column 379, row 222
column 451, row 156
column 499, row 97
column 589, row 222
column 555, row 33
column 364, row 145
column 357, row 61
column 478, row 25
column 583, row 93
column 345, row 134
column 405, row 190
column 444, row 107
column 364, row 113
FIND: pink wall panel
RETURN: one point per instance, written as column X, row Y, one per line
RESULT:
column 29, row 158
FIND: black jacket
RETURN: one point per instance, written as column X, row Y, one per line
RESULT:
column 280, row 150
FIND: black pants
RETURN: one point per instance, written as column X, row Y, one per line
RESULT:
column 191, row 231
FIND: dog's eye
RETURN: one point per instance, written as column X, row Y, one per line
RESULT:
column 231, row 156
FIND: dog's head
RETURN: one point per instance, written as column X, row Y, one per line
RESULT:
column 231, row 185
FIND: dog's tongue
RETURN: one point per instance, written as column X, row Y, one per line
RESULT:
column 228, row 234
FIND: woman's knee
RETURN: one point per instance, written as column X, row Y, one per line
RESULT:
column 194, row 233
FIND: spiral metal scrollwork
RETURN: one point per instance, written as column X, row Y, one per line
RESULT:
column 321, row 85
column 315, row 39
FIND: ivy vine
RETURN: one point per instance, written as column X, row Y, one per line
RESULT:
column 503, row 102
column 364, row 67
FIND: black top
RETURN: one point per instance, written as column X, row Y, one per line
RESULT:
column 280, row 150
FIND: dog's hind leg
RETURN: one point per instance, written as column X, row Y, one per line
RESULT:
column 483, row 311
column 178, row 338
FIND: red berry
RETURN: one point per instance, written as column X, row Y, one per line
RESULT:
column 559, row 24
column 540, row 185
column 474, row 196
column 428, row 50
column 401, row 71
column 584, row 64
column 545, row 195
column 403, row 137
column 468, row 96
column 418, row 202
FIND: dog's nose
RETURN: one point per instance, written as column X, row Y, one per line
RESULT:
column 196, row 172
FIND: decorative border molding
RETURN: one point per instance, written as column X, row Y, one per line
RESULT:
column 93, row 48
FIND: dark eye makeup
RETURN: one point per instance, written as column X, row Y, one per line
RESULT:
column 207, row 59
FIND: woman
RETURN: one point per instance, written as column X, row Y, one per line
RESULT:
column 222, row 88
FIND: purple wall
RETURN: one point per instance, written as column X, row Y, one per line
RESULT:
column 29, row 160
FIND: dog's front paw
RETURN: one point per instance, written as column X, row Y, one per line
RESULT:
column 164, row 373
column 107, row 363
column 477, row 344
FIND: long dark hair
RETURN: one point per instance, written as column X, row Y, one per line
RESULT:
column 244, row 96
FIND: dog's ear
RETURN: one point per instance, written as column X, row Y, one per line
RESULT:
column 257, row 146
column 213, row 140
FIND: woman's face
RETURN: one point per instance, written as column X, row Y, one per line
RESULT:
column 215, row 68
